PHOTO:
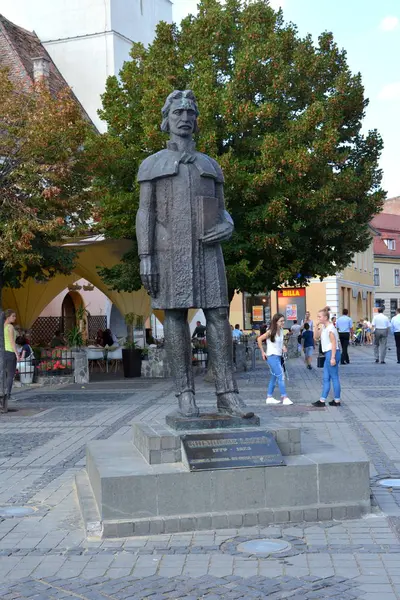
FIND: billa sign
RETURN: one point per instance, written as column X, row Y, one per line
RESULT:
column 292, row 293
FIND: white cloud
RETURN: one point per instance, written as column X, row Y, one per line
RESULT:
column 277, row 4
column 388, row 23
column 390, row 91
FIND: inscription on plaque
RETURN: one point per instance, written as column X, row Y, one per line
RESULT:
column 210, row 451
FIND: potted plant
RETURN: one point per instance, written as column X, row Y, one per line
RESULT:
column 74, row 338
column 131, row 354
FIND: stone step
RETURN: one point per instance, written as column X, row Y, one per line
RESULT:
column 133, row 497
column 159, row 444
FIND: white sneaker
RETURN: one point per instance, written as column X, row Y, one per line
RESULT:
column 271, row 400
column 286, row 401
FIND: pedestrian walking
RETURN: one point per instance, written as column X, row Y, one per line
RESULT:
column 330, row 349
column 307, row 319
column 307, row 338
column 295, row 331
column 380, row 327
column 275, row 348
column 237, row 333
column 395, row 326
column 10, row 353
column 344, row 326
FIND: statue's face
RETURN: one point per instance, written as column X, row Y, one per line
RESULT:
column 182, row 118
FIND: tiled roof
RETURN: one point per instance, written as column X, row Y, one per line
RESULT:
column 388, row 226
column 17, row 49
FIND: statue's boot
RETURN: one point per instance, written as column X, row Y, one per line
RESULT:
column 187, row 405
column 231, row 403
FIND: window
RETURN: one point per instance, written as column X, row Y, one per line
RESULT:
column 393, row 307
column 397, row 277
column 376, row 277
column 262, row 309
column 391, row 244
column 379, row 303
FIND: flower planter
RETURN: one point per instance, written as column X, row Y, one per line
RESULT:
column 132, row 362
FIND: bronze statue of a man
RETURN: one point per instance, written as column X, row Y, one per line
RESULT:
column 179, row 226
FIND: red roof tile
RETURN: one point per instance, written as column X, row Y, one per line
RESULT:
column 17, row 49
column 388, row 226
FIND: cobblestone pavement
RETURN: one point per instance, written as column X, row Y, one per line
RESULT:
column 44, row 556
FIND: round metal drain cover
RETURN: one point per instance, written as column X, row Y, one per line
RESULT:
column 264, row 546
column 16, row 511
column 390, row 483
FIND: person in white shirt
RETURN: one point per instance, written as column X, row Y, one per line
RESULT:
column 395, row 326
column 307, row 319
column 273, row 356
column 295, row 331
column 330, row 348
column 380, row 327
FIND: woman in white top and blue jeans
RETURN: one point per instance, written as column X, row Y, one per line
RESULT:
column 275, row 348
column 330, row 348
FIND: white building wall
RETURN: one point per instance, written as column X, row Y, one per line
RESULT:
column 85, row 75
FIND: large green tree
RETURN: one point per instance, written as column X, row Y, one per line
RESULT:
column 282, row 116
column 44, row 189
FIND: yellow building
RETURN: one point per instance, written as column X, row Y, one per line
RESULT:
column 352, row 288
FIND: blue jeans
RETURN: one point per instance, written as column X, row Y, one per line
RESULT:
column 277, row 375
column 331, row 374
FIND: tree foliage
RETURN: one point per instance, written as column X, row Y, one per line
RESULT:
column 44, row 193
column 282, row 116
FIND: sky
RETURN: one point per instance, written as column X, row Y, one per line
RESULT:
column 369, row 30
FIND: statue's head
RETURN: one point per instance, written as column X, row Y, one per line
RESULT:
column 180, row 113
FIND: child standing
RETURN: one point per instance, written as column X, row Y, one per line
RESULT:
column 307, row 338
column 275, row 348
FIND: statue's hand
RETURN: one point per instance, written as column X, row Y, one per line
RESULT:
column 149, row 275
column 221, row 232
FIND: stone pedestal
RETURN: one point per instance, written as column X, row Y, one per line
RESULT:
column 156, row 364
column 142, row 487
column 81, row 366
column 208, row 421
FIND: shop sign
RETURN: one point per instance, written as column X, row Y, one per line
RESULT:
column 292, row 293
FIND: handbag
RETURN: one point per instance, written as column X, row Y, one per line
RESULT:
column 320, row 360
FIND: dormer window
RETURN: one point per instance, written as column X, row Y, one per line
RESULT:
column 390, row 244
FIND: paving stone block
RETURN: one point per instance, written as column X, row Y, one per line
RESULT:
column 296, row 516
column 203, row 522
column 219, row 521
column 310, row 514
column 324, row 514
column 142, row 527
column 250, row 519
column 281, row 516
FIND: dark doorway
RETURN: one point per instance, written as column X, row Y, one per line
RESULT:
column 68, row 314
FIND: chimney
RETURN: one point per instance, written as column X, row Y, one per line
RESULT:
column 41, row 70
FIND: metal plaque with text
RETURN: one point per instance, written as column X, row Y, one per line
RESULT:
column 210, row 451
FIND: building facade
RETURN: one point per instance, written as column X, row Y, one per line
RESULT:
column 387, row 262
column 353, row 288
